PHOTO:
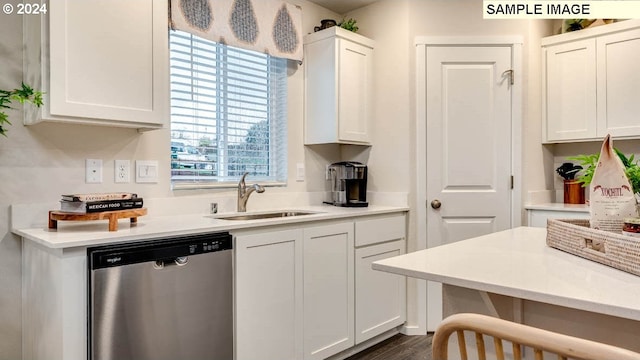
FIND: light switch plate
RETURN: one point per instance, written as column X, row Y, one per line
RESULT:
column 300, row 172
column 146, row 171
column 93, row 171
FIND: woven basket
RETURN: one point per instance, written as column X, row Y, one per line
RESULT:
column 576, row 237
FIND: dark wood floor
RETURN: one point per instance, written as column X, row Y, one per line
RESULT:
column 398, row 347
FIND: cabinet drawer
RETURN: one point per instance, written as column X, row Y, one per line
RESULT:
column 379, row 229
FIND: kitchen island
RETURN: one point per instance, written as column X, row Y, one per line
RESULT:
column 514, row 275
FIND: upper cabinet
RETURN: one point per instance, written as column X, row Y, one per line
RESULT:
column 618, row 78
column 590, row 82
column 338, row 87
column 99, row 62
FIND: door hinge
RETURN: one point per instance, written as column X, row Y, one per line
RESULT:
column 511, row 182
column 509, row 73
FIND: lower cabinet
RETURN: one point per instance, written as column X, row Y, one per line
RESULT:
column 310, row 293
column 538, row 218
column 380, row 297
column 268, row 295
column 328, row 290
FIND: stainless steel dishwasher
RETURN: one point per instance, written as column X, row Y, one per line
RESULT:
column 162, row 299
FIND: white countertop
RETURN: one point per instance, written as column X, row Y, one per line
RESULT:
column 559, row 207
column 91, row 233
column 518, row 263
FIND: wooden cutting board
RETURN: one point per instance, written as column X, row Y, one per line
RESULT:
column 112, row 216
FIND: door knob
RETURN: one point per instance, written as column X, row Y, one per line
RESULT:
column 436, row 204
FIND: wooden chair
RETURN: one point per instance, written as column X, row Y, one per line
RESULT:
column 519, row 335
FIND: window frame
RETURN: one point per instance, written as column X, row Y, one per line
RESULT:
column 277, row 161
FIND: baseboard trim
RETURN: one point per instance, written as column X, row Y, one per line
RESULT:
column 412, row 330
column 364, row 345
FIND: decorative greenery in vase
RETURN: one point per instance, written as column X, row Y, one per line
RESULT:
column 632, row 169
column 22, row 95
column 349, row 25
column 578, row 24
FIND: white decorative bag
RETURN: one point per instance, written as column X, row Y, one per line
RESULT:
column 611, row 197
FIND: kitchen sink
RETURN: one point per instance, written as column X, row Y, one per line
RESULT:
column 264, row 215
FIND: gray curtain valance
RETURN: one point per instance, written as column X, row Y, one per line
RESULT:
column 269, row 26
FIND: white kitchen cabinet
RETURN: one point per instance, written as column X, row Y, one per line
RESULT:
column 570, row 85
column 268, row 295
column 310, row 292
column 338, row 87
column 589, row 83
column 538, row 216
column 328, row 289
column 618, row 78
column 380, row 297
column 99, row 62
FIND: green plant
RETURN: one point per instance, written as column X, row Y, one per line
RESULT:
column 22, row 95
column 578, row 24
column 349, row 25
column 589, row 162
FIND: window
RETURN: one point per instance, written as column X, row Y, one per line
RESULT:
column 228, row 113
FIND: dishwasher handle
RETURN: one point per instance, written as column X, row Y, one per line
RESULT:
column 179, row 261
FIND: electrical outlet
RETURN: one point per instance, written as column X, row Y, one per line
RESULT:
column 93, row 171
column 122, row 171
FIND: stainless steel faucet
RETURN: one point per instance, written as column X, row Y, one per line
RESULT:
column 243, row 193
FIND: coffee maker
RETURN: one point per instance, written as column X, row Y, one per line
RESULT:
column 348, row 184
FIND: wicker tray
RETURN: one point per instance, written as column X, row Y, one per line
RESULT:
column 576, row 237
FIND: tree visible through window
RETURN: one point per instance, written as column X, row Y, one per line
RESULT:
column 228, row 113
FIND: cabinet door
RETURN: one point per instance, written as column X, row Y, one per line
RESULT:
column 321, row 100
column 538, row 218
column 109, row 61
column 328, row 290
column 618, row 79
column 354, row 94
column 380, row 296
column 268, row 296
column 570, row 91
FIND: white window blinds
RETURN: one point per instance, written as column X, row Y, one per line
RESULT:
column 228, row 113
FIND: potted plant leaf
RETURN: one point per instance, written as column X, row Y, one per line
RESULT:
column 573, row 189
column 349, row 25
column 24, row 94
column 632, row 169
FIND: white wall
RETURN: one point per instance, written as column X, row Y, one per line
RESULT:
column 41, row 162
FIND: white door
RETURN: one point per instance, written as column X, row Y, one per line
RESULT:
column 468, row 110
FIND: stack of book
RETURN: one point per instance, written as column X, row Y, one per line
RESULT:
column 91, row 203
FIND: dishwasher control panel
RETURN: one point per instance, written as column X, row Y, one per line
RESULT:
column 215, row 245
column 152, row 250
